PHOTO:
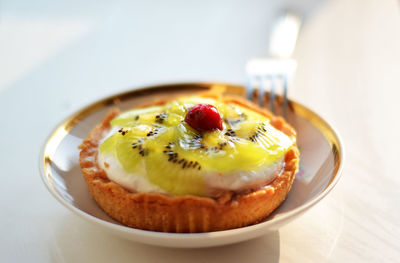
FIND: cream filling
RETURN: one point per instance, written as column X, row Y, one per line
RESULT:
column 134, row 182
column 215, row 181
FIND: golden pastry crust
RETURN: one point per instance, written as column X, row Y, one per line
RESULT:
column 159, row 212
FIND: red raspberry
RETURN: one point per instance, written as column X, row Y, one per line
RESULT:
column 204, row 117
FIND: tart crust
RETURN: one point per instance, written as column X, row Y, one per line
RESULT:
column 189, row 214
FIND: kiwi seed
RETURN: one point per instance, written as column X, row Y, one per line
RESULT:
column 122, row 131
column 161, row 117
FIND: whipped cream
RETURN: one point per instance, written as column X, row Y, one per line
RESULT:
column 215, row 181
column 134, row 182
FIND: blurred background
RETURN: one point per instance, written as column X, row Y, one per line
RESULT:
column 58, row 56
column 63, row 54
column 101, row 46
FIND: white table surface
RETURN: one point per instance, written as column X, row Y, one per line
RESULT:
column 55, row 58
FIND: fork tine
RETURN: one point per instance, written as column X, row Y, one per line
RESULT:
column 250, row 88
column 258, row 85
column 272, row 94
column 285, row 100
column 268, row 82
column 262, row 90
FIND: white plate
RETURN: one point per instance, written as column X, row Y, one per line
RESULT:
column 320, row 167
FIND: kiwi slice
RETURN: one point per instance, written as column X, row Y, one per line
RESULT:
column 128, row 145
column 176, row 156
column 223, row 151
column 174, row 173
column 137, row 116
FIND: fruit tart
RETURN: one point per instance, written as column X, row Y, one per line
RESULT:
column 192, row 164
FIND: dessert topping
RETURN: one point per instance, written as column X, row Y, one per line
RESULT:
column 204, row 117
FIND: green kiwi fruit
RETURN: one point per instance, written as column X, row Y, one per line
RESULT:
column 176, row 156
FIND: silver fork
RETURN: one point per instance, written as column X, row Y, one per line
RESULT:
column 275, row 73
